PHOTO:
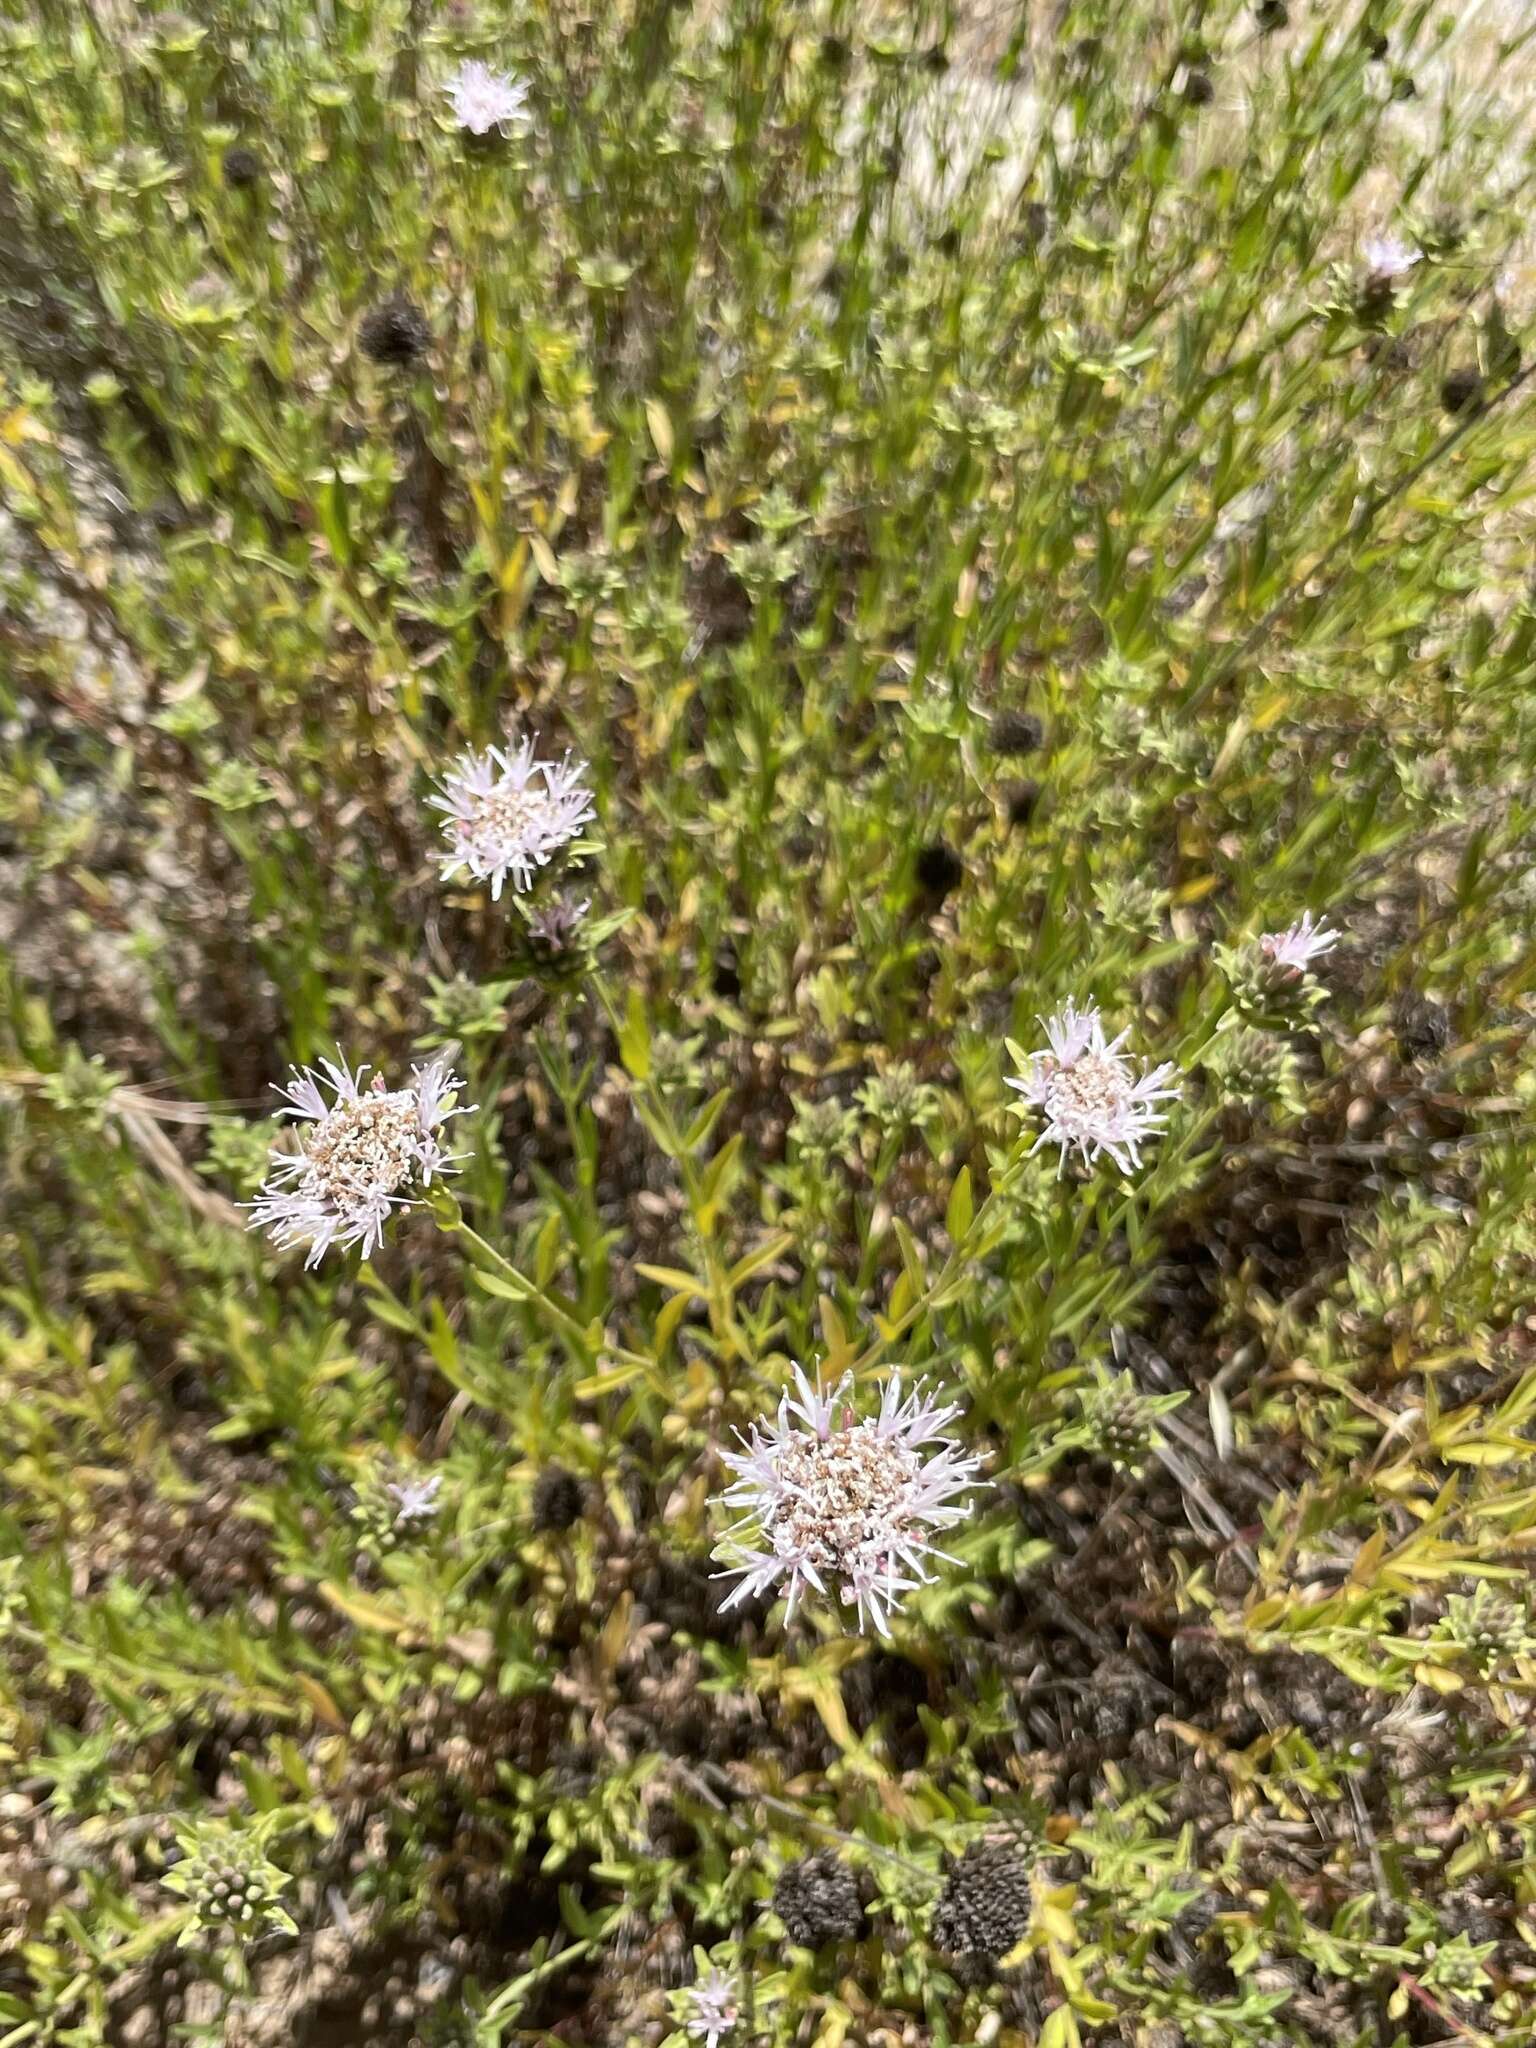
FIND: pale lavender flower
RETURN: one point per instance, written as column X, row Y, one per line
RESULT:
column 415, row 1499
column 713, row 2008
column 1387, row 258
column 554, row 926
column 510, row 813
column 834, row 1497
column 1290, row 953
column 359, row 1156
column 1089, row 1092
column 483, row 99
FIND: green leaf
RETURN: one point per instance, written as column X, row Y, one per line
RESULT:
column 506, row 1287
column 661, row 427
column 766, row 1253
column 1060, row 2030
column 635, row 1038
column 958, row 1215
column 674, row 1277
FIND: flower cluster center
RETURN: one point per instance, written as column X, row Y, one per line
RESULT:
column 365, row 1148
column 842, row 1494
column 505, row 816
column 1088, row 1091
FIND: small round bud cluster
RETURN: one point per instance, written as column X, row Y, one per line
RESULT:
column 1257, row 1069
column 818, row 1901
column 896, row 1099
column 226, row 1892
column 1457, row 1967
column 374, row 1524
column 1131, row 903
column 985, row 1906
column 1120, row 1421
column 389, row 1512
column 823, row 1133
column 1272, row 974
column 557, row 1500
column 228, row 1882
column 395, row 334
column 1490, row 1629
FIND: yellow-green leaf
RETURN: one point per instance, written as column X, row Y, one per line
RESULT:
column 674, row 1277
column 957, row 1217
column 357, row 1607
column 1060, row 2030
column 770, row 1249
column 657, row 419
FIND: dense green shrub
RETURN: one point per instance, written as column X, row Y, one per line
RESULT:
column 1004, row 508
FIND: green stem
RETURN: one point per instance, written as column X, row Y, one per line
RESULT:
column 578, row 1337
column 716, row 1273
column 959, row 1257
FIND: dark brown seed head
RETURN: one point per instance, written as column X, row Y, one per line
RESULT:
column 395, row 334
column 242, row 168
column 1462, row 390
column 818, row 1901
column 984, row 1908
column 1021, row 800
column 1422, row 1026
column 1015, row 732
column 726, row 978
column 938, row 870
column 557, row 1501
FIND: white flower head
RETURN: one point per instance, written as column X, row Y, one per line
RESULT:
column 1287, row 955
column 1089, row 1092
column 415, row 1500
column 359, row 1157
column 835, row 1497
column 510, row 813
column 713, row 2007
column 483, row 99
column 1388, row 257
